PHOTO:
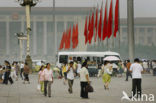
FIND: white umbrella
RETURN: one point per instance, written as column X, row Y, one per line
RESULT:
column 111, row 58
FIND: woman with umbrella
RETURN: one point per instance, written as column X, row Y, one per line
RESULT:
column 107, row 74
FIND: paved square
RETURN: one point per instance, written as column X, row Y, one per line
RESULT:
column 27, row 93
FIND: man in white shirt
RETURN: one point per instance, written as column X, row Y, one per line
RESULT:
column 70, row 77
column 84, row 80
column 136, row 70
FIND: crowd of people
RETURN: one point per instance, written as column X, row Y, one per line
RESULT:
column 72, row 69
column 45, row 78
column 9, row 72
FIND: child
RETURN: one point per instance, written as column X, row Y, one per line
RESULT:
column 41, row 78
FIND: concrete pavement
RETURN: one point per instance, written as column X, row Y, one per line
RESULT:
column 27, row 93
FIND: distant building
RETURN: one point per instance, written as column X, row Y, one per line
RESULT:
column 42, row 38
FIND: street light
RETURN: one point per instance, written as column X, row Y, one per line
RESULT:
column 130, row 25
column 21, row 37
column 28, row 4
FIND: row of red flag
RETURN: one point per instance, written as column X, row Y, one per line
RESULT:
column 92, row 25
column 68, row 36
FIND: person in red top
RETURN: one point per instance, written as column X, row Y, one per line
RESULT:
column 128, row 73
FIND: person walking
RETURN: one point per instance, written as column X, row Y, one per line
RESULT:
column 64, row 72
column 13, row 71
column 26, row 73
column 136, row 70
column 84, row 80
column 79, row 66
column 17, row 68
column 21, row 70
column 70, row 77
column 154, row 67
column 107, row 74
column 128, row 73
column 120, row 65
column 7, row 73
column 1, row 74
column 41, row 78
column 48, row 79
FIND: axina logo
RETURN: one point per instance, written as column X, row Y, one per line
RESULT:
column 144, row 97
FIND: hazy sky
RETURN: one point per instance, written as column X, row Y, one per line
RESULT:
column 143, row 8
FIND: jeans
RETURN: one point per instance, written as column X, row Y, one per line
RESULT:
column 136, row 85
column 21, row 73
column 7, row 77
column 70, row 84
column 47, row 84
column 84, row 93
column 26, row 77
column 128, row 73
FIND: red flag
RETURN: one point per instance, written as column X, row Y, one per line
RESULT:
column 76, row 37
column 110, row 21
column 105, row 24
column 62, row 41
column 66, row 39
column 116, row 28
column 91, row 28
column 86, row 31
column 69, row 37
column 96, row 22
column 100, row 24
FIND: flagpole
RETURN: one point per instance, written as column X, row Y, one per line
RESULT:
column 119, row 25
column 107, row 28
column 113, row 28
column 94, row 28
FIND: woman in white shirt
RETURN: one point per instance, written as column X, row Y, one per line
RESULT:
column 84, row 80
column 107, row 74
column 13, row 71
column 79, row 68
column 48, row 79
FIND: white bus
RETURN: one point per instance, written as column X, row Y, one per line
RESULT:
column 78, row 56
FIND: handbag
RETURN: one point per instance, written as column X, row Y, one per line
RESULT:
column 89, row 88
column 38, row 87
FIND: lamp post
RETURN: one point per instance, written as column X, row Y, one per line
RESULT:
column 130, row 24
column 28, row 4
column 21, row 37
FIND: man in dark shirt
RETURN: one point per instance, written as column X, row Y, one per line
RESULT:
column 7, row 73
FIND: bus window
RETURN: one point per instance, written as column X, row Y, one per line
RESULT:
column 63, row 58
column 98, row 60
